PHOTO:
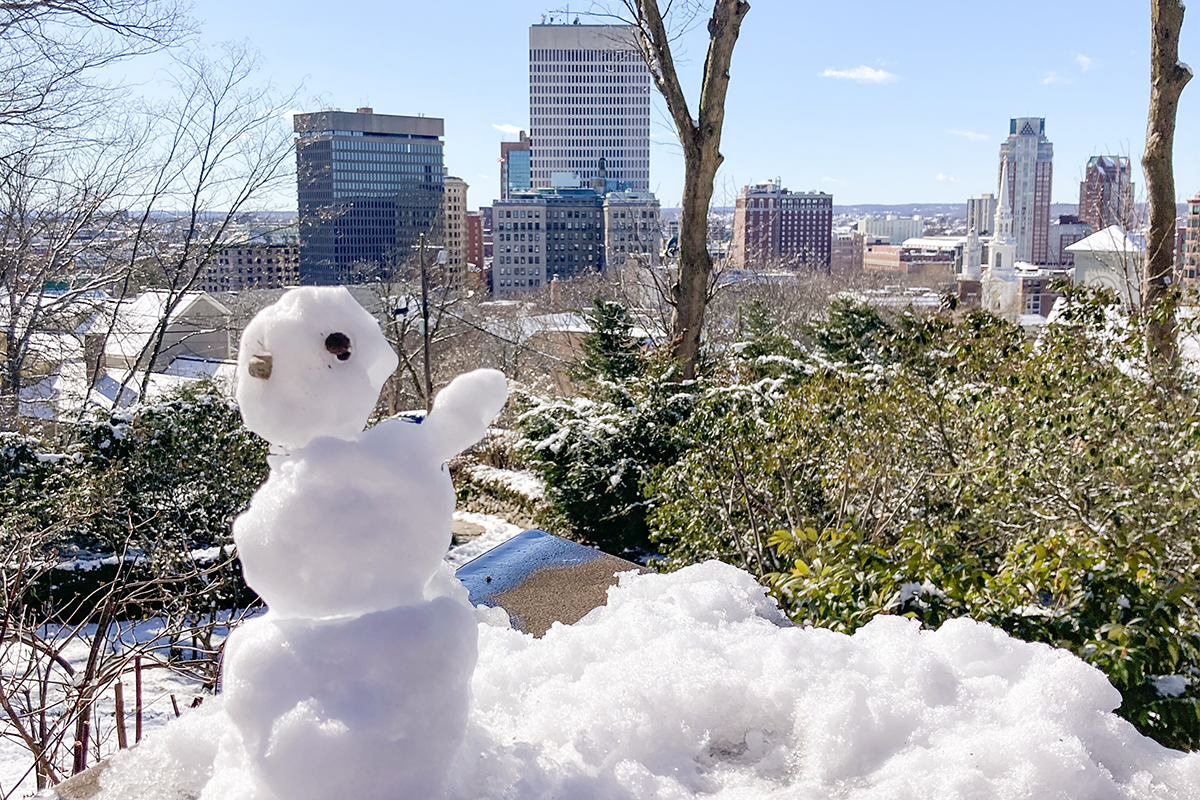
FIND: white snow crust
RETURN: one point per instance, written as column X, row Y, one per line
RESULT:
column 686, row 685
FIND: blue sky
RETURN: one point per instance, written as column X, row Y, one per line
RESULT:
column 876, row 101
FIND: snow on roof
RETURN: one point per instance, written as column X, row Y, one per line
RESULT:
column 1112, row 239
column 197, row 367
column 935, row 242
column 60, row 394
column 137, row 319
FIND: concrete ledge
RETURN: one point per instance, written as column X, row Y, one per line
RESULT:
column 540, row 579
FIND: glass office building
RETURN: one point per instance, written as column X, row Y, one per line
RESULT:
column 367, row 186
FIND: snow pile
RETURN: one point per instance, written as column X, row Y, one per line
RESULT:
column 363, row 660
column 686, row 685
column 496, row 532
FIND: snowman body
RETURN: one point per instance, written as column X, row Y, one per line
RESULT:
column 355, row 683
column 314, row 564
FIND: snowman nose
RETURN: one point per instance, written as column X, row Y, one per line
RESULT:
column 260, row 366
column 339, row 345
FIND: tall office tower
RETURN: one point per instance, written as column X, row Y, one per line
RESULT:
column 514, row 166
column 367, row 185
column 1106, row 193
column 454, row 226
column 981, row 213
column 475, row 240
column 1189, row 257
column 1030, row 158
column 589, row 99
column 771, row 224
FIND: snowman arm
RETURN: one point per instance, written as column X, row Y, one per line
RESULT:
column 463, row 410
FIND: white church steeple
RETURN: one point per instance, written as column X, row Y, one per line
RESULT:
column 1003, row 248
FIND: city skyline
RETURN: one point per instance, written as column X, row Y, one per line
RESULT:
column 830, row 99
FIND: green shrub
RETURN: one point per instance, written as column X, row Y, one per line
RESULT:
column 942, row 468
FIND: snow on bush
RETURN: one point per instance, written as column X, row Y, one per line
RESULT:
column 687, row 685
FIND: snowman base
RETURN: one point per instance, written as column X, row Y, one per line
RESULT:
column 304, row 691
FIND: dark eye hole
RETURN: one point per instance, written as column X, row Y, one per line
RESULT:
column 339, row 345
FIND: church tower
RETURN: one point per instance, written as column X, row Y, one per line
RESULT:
column 1003, row 249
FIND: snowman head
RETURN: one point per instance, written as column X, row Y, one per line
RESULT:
column 311, row 365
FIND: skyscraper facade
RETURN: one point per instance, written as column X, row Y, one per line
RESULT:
column 1189, row 257
column 1106, row 193
column 515, row 166
column 367, row 186
column 631, row 228
column 454, row 227
column 981, row 213
column 1030, row 159
column 589, row 98
column 543, row 234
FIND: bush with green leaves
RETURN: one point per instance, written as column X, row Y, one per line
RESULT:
column 940, row 467
column 149, row 485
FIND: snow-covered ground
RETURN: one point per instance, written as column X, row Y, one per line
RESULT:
column 687, row 685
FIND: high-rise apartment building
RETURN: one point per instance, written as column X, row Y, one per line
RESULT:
column 254, row 265
column 1106, row 193
column 771, row 225
column 1030, row 158
column 589, row 99
column 454, row 226
column 1189, row 259
column 631, row 228
column 367, row 186
column 1064, row 232
column 545, row 233
column 475, row 240
column 515, row 166
column 981, row 213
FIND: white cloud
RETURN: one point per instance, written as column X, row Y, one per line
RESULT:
column 863, row 74
column 507, row 128
column 941, row 176
column 972, row 135
column 1053, row 77
column 1085, row 63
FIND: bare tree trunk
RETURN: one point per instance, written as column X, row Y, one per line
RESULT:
column 700, row 138
column 1168, row 76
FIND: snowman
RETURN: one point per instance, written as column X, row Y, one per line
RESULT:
column 355, row 682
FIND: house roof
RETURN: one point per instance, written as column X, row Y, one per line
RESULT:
column 1112, row 239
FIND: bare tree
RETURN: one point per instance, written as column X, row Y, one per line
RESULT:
column 1168, row 76
column 224, row 147
column 700, row 139
column 52, row 49
column 60, row 223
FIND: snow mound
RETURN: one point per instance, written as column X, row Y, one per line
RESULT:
column 690, row 684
